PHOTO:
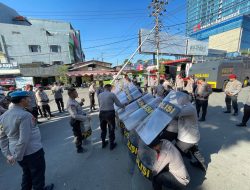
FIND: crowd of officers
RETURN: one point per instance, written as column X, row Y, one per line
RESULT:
column 20, row 139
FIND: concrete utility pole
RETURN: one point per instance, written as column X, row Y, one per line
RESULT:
column 158, row 7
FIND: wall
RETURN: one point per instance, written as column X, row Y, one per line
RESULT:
column 228, row 41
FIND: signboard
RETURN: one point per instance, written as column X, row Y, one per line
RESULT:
column 23, row 81
column 171, row 44
column 195, row 47
column 13, row 65
column 7, row 81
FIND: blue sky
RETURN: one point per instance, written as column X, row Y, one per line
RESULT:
column 105, row 21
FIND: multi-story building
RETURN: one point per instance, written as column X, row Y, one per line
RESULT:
column 36, row 45
column 224, row 23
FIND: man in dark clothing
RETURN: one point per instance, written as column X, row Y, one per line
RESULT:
column 107, row 115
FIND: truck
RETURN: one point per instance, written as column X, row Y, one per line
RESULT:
column 216, row 72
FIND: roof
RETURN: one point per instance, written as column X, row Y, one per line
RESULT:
column 89, row 73
column 173, row 62
column 87, row 63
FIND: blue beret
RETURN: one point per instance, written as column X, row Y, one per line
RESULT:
column 17, row 94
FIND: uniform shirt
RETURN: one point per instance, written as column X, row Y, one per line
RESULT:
column 179, row 82
column 233, row 87
column 75, row 110
column 173, row 126
column 171, row 157
column 92, row 89
column 32, row 96
column 203, row 91
column 57, row 91
column 42, row 98
column 159, row 91
column 188, row 130
column 190, row 86
column 107, row 100
column 19, row 134
column 167, row 84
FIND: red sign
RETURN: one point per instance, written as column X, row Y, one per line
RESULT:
column 7, row 81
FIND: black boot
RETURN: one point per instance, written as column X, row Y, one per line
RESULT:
column 104, row 143
column 200, row 159
column 49, row 187
column 112, row 145
column 79, row 149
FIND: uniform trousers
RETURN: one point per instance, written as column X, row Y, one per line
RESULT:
column 166, row 179
column 202, row 104
column 76, row 128
column 33, row 167
column 60, row 104
column 46, row 109
column 107, row 118
column 246, row 115
column 92, row 100
column 231, row 100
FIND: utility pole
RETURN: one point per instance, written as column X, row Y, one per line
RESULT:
column 158, row 7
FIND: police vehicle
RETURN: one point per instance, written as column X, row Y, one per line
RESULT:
column 216, row 72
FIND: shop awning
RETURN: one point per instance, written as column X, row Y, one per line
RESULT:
column 89, row 73
column 174, row 62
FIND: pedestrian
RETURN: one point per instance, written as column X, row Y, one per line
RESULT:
column 3, row 101
column 168, row 85
column 20, row 141
column 202, row 93
column 232, row 90
column 100, row 89
column 179, row 83
column 43, row 102
column 33, row 104
column 58, row 95
column 188, row 131
column 246, row 82
column 246, row 115
column 159, row 90
column 92, row 90
column 145, row 84
column 189, row 87
column 78, row 116
column 172, row 172
column 107, row 99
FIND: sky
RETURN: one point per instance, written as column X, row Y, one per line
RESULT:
column 109, row 28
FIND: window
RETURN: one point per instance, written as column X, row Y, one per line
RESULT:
column 55, row 48
column 34, row 48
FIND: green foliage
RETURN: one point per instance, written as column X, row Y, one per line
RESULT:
column 162, row 69
column 125, row 61
column 62, row 70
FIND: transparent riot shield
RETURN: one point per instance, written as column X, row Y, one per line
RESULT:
column 143, row 172
column 161, row 117
column 123, row 113
column 132, row 145
column 135, row 119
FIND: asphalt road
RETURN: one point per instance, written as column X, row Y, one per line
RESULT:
column 225, row 147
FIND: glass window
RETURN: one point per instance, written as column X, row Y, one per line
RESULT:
column 34, row 48
column 55, row 48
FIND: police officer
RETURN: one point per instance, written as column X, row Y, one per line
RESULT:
column 107, row 99
column 58, row 95
column 232, row 90
column 20, row 141
column 77, row 117
column 43, row 101
column 246, row 115
column 160, row 90
column 170, row 167
column 92, row 90
column 202, row 92
column 33, row 105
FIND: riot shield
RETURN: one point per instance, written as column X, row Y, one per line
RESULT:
column 161, row 117
column 123, row 113
column 135, row 119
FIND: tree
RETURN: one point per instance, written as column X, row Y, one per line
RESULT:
column 125, row 61
column 162, row 69
column 62, row 70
